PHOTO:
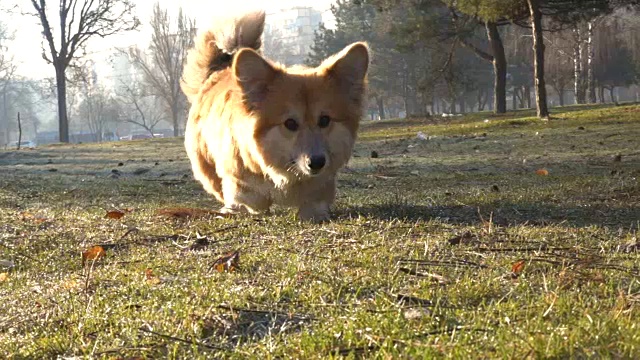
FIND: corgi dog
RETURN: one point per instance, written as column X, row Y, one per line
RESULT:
column 260, row 133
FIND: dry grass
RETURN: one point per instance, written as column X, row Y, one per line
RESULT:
column 418, row 261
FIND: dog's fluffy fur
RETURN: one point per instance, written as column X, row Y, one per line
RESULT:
column 259, row 133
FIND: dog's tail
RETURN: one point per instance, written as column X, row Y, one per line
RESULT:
column 214, row 49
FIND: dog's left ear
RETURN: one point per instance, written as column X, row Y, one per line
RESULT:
column 350, row 68
column 254, row 75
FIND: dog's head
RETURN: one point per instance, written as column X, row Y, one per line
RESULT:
column 304, row 121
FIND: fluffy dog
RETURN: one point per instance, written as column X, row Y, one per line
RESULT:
column 260, row 133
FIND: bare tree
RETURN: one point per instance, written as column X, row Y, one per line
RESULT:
column 560, row 67
column 95, row 109
column 162, row 65
column 79, row 21
column 276, row 48
column 139, row 108
column 7, row 70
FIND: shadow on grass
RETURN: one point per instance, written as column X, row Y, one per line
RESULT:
column 238, row 326
column 503, row 214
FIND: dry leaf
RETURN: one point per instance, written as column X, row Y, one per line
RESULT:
column 4, row 276
column 94, row 253
column 517, row 267
column 27, row 216
column 69, row 284
column 152, row 279
column 114, row 214
column 542, row 172
column 227, row 262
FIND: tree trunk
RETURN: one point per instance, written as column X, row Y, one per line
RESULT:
column 6, row 116
column 174, row 118
column 19, row 131
column 479, row 100
column 380, row 102
column 591, row 90
column 577, row 68
column 514, row 99
column 527, row 95
column 561, row 96
column 61, row 86
column 499, row 68
column 612, row 95
column 538, row 59
column 601, row 91
column 462, row 105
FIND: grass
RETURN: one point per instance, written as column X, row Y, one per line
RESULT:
column 418, row 261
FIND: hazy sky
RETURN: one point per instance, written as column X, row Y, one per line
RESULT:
column 26, row 48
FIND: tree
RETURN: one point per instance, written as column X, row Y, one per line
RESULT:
column 275, row 48
column 562, row 13
column 7, row 70
column 559, row 67
column 491, row 15
column 139, row 108
column 97, row 108
column 613, row 64
column 79, row 21
column 162, row 65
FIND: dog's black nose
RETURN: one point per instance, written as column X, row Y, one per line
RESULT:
column 317, row 162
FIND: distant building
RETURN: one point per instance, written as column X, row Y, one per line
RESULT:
column 295, row 28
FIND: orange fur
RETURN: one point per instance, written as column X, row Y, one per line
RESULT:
column 240, row 138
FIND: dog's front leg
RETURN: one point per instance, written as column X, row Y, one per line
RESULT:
column 316, row 212
column 315, row 202
column 241, row 198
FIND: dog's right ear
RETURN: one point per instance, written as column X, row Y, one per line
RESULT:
column 254, row 75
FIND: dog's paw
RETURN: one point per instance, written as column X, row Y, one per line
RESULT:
column 315, row 213
column 232, row 209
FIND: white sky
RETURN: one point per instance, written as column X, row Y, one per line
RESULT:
column 26, row 49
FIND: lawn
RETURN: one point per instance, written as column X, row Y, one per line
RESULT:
column 488, row 237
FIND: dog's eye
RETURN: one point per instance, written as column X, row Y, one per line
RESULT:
column 291, row 124
column 324, row 121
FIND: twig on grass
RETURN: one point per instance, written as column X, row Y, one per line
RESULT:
column 191, row 342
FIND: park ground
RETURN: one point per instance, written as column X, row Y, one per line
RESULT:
column 479, row 236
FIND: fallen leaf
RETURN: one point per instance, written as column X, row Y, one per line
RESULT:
column 69, row 284
column 114, row 214
column 374, row 154
column 152, row 279
column 617, row 158
column 4, row 276
column 228, row 262
column 495, row 188
column 517, row 267
column 94, row 253
column 542, row 172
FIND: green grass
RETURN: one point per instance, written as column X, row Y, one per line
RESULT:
column 392, row 276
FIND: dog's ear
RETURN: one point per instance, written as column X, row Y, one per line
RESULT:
column 350, row 67
column 254, row 75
